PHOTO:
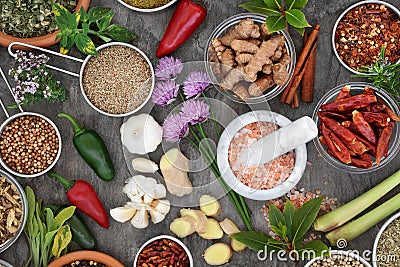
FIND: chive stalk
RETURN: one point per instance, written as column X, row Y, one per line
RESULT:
column 359, row 226
column 345, row 213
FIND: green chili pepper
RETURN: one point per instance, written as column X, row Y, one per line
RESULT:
column 80, row 232
column 92, row 149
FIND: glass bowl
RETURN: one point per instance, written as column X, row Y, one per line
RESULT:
column 357, row 88
column 341, row 253
column 24, row 205
column 147, row 10
column 221, row 29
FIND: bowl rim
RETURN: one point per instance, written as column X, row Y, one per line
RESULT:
column 392, row 7
column 86, row 255
column 153, row 79
column 147, row 10
column 40, row 41
column 336, row 163
column 25, row 113
column 229, row 177
column 6, row 264
column 378, row 236
column 341, row 252
column 24, row 204
column 226, row 24
column 185, row 248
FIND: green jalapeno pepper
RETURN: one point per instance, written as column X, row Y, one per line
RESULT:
column 92, row 149
column 80, row 232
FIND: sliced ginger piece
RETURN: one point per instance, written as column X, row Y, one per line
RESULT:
column 213, row 231
column 217, row 254
column 183, row 226
column 210, row 205
column 229, row 228
column 199, row 217
column 237, row 245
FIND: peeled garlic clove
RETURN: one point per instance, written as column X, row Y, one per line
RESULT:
column 147, row 199
column 144, row 165
column 122, row 214
column 162, row 206
column 141, row 219
column 156, row 216
column 160, row 191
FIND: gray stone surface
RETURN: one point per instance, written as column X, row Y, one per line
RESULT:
column 121, row 240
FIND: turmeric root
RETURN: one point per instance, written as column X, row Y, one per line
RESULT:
column 218, row 46
column 267, row 68
column 285, row 60
column 243, row 46
column 183, row 226
column 240, row 90
column 246, row 29
column 229, row 228
column 243, row 58
column 213, row 231
column 227, row 58
column 217, row 254
column 265, row 52
column 278, row 54
column 210, row 205
column 261, row 85
column 280, row 74
column 233, row 77
column 264, row 34
column 200, row 218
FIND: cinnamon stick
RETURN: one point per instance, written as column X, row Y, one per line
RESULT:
column 288, row 93
column 307, row 83
column 295, row 102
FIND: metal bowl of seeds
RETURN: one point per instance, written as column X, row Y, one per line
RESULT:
column 386, row 251
column 30, row 144
column 361, row 31
column 147, row 6
column 339, row 258
column 13, row 210
column 118, row 81
column 5, row 264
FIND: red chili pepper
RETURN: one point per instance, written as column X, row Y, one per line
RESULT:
column 374, row 107
column 363, row 127
column 349, row 125
column 337, row 148
column 344, row 93
column 359, row 163
column 82, row 195
column 371, row 147
column 333, row 115
column 368, row 91
column 383, row 142
column 351, row 103
column 378, row 119
column 186, row 19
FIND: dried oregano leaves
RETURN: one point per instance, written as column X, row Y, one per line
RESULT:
column 30, row 18
column 146, row 4
column 388, row 250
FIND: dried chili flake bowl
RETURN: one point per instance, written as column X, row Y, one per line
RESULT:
column 346, row 139
column 163, row 250
column 362, row 30
column 13, row 210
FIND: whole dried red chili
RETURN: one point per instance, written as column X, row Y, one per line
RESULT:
column 363, row 127
column 186, row 19
column 337, row 148
column 359, row 163
column 344, row 93
column 82, row 195
column 333, row 115
column 377, row 119
column 349, row 125
column 371, row 147
column 383, row 143
column 350, row 103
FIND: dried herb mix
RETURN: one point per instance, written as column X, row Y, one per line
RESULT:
column 147, row 4
column 388, row 249
column 30, row 18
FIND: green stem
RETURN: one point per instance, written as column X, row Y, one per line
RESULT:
column 77, row 127
column 68, row 184
column 212, row 115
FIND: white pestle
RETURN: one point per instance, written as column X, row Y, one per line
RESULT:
column 279, row 142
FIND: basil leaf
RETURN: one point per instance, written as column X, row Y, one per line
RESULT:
column 289, row 212
column 61, row 240
column 67, row 42
column 97, row 13
column 275, row 24
column 84, row 15
column 304, row 218
column 258, row 6
column 297, row 4
column 313, row 249
column 85, row 28
column 85, row 44
column 254, row 240
column 104, row 38
column 61, row 13
column 119, row 33
column 296, row 18
column 105, row 22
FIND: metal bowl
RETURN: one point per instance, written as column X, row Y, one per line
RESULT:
column 147, row 10
column 117, row 44
column 357, row 88
column 24, row 205
column 230, row 178
column 8, row 121
column 222, row 29
column 191, row 264
column 395, row 10
column 343, row 253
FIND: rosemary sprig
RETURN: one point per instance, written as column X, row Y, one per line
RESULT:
column 383, row 74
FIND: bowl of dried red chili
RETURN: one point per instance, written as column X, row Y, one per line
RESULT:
column 361, row 31
column 358, row 126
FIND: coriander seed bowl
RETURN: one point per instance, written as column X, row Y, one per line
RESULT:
column 30, row 144
column 338, row 255
column 147, row 10
column 24, row 204
column 5, row 264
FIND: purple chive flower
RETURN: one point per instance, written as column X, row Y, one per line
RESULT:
column 175, row 128
column 168, row 68
column 195, row 84
column 165, row 93
column 195, row 111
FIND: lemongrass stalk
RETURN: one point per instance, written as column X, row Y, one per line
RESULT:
column 359, row 226
column 345, row 213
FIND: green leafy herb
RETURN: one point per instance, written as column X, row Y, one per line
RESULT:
column 290, row 226
column 76, row 27
column 278, row 17
column 47, row 236
column 384, row 75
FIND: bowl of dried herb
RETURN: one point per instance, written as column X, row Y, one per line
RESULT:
column 147, row 5
column 32, row 22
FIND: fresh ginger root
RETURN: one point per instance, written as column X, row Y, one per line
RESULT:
column 280, row 74
column 243, row 58
column 229, row 228
column 267, row 68
column 200, row 219
column 261, row 85
column 183, row 226
column 217, row 254
column 213, row 231
column 243, row 46
column 246, row 29
column 233, row 77
column 210, row 205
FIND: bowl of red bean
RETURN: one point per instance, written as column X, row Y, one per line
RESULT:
column 30, row 144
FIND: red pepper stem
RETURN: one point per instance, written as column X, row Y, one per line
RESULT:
column 77, row 128
column 68, row 184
